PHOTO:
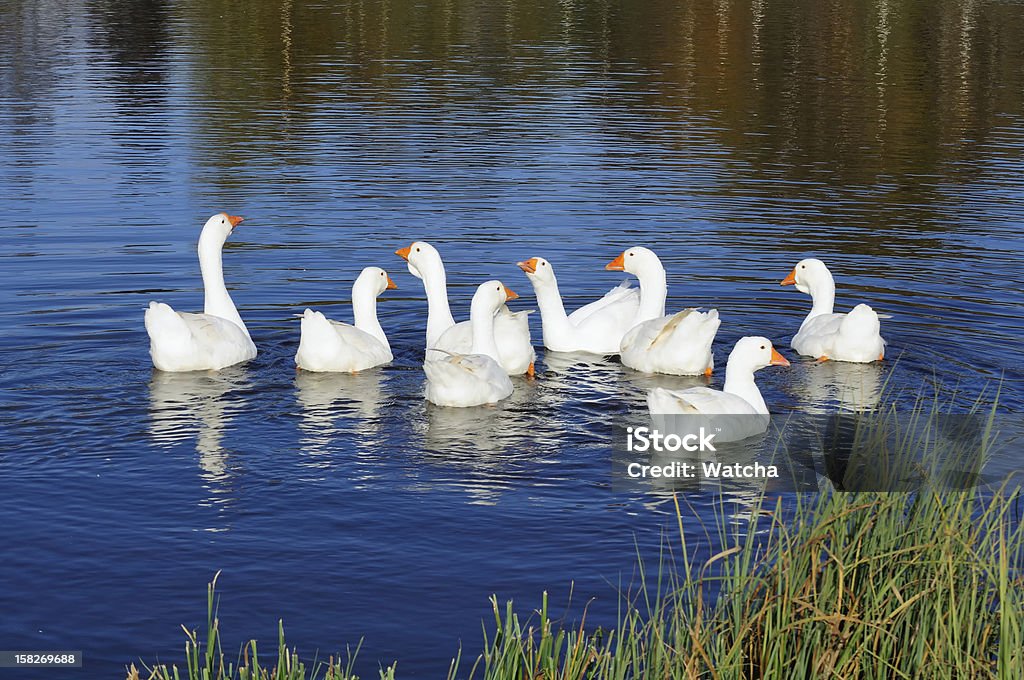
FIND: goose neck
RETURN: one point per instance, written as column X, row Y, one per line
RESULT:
column 217, row 300
column 739, row 380
column 364, row 313
column 481, row 320
column 439, row 314
column 653, row 291
column 552, row 310
column 823, row 296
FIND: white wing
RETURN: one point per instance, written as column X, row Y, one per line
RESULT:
column 619, row 305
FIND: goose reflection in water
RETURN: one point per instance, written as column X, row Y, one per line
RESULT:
column 335, row 405
column 481, row 434
column 200, row 405
column 856, row 388
column 488, row 447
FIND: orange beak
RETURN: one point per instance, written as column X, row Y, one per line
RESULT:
column 404, row 252
column 235, row 220
column 528, row 266
column 778, row 359
column 510, row 294
column 789, row 280
column 618, row 264
column 391, row 284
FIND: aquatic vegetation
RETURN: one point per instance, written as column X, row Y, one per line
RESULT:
column 879, row 585
column 205, row 660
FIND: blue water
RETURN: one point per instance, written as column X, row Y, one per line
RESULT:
column 733, row 142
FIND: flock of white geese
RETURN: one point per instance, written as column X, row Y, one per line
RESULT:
column 469, row 363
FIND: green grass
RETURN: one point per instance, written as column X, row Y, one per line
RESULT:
column 205, row 660
column 845, row 586
column 832, row 585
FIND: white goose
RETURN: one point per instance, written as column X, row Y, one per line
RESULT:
column 597, row 327
column 512, row 329
column 739, row 397
column 679, row 344
column 851, row 337
column 217, row 338
column 474, row 378
column 327, row 345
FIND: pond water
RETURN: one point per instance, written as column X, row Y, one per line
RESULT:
column 734, row 138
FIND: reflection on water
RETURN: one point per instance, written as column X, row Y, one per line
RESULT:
column 199, row 406
column 579, row 374
column 824, row 387
column 483, row 433
column 340, row 407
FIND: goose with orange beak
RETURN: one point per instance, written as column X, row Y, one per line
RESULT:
column 597, row 327
column 740, row 401
column 854, row 336
column 215, row 339
column 512, row 329
column 675, row 344
column 333, row 346
column 474, row 378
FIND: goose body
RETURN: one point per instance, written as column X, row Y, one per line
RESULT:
column 854, row 336
column 214, row 339
column 474, row 378
column 676, row 344
column 596, row 327
column 512, row 334
column 327, row 345
column 466, row 380
column 740, row 401
column 515, row 351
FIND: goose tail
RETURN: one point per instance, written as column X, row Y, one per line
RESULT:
column 165, row 326
column 315, row 337
column 862, row 321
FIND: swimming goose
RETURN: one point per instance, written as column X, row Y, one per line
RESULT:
column 739, row 397
column 851, row 337
column 512, row 329
column 473, row 378
column 678, row 344
column 597, row 327
column 327, row 345
column 180, row 341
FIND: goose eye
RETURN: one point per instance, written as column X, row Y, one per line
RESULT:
column 803, row 266
column 763, row 347
column 632, row 254
column 417, row 250
column 543, row 264
column 222, row 220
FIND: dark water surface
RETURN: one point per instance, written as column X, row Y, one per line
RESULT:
column 734, row 138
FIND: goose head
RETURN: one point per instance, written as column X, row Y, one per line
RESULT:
column 538, row 270
column 636, row 260
column 219, row 227
column 754, row 353
column 374, row 281
column 422, row 258
column 809, row 275
column 490, row 296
